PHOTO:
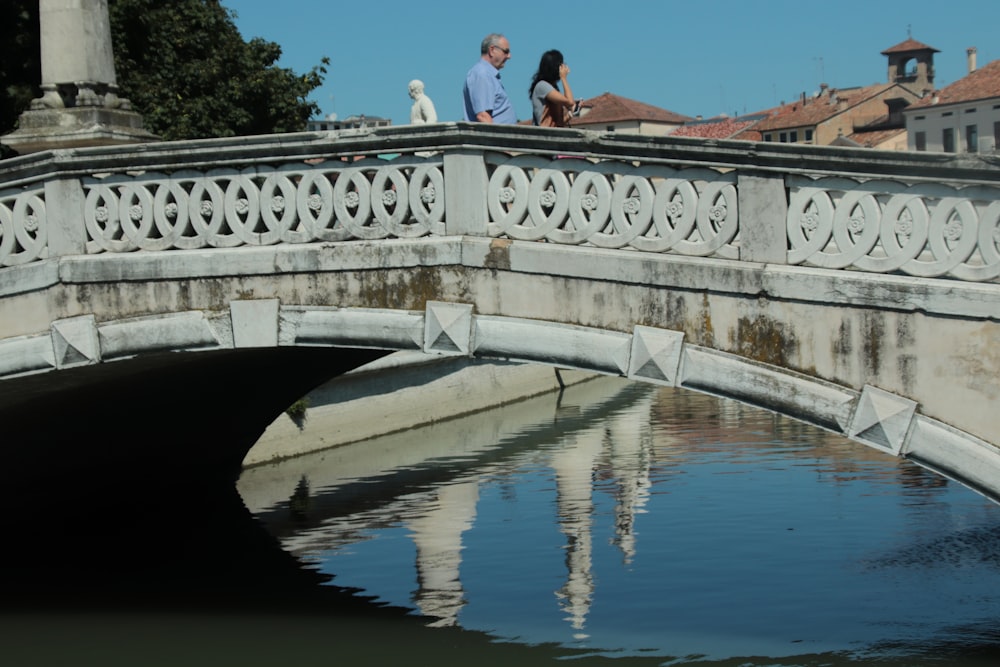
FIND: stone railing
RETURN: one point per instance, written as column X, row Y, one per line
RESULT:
column 928, row 215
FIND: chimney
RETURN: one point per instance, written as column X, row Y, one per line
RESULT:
column 971, row 53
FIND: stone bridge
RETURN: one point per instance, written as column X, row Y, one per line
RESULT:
column 162, row 303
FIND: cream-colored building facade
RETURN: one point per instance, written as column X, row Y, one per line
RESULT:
column 963, row 117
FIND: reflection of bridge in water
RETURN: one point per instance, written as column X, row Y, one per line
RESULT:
column 574, row 434
column 430, row 481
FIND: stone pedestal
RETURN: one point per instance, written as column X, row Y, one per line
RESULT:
column 73, row 127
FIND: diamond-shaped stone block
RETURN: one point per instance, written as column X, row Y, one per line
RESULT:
column 448, row 328
column 75, row 341
column 656, row 355
column 882, row 419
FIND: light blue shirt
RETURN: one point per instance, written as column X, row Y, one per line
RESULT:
column 483, row 91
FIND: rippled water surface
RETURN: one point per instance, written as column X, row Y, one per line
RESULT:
column 648, row 525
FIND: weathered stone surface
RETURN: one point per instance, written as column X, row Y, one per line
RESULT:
column 650, row 259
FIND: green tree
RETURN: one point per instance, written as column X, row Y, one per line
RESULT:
column 183, row 64
column 20, row 62
column 185, row 67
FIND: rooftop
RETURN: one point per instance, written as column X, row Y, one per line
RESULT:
column 984, row 83
column 722, row 127
column 609, row 108
column 908, row 45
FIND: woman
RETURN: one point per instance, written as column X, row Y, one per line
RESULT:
column 549, row 107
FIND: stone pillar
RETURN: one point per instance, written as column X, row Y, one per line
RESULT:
column 79, row 105
column 65, row 227
column 466, row 208
column 763, row 209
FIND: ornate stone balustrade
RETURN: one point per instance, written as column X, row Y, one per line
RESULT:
column 916, row 214
column 923, row 229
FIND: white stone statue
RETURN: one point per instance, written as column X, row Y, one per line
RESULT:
column 422, row 110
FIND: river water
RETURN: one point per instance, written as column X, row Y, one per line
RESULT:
column 646, row 525
column 613, row 523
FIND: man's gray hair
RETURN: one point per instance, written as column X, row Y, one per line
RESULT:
column 490, row 40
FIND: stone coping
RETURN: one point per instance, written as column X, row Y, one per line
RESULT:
column 461, row 136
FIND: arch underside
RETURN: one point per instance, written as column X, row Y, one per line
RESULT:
column 268, row 353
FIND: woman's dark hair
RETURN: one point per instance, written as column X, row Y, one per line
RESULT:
column 548, row 69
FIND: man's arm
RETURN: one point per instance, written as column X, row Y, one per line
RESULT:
column 484, row 117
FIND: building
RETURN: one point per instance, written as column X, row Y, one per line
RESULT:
column 881, row 134
column 823, row 118
column 920, row 77
column 331, row 122
column 613, row 113
column 864, row 116
column 963, row 117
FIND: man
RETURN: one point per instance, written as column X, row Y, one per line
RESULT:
column 422, row 110
column 486, row 100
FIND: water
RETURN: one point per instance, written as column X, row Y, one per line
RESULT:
column 652, row 526
column 616, row 523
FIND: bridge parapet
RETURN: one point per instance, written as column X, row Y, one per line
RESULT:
column 927, row 215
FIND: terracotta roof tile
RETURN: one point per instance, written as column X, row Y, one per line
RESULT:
column 982, row 84
column 609, row 108
column 715, row 128
column 909, row 44
column 874, row 138
column 751, row 134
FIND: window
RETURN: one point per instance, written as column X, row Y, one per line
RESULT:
column 996, row 134
column 919, row 117
column 783, row 137
column 920, row 141
column 972, row 110
column 610, row 128
column 972, row 138
column 948, row 140
column 809, row 135
column 946, row 114
column 770, row 137
column 793, row 136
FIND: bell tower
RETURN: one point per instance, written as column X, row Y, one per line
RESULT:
column 920, row 60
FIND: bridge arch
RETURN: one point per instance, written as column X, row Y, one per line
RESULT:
column 209, row 335
column 854, row 289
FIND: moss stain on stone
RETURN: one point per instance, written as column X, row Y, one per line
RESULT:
column 403, row 290
column 498, row 258
column 872, row 339
column 766, row 340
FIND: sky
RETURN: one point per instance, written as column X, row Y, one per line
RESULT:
column 694, row 57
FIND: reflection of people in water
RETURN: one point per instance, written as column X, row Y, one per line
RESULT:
column 437, row 534
column 299, row 502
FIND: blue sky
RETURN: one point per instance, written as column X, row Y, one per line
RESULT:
column 707, row 58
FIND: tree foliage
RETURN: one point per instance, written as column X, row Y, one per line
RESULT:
column 20, row 61
column 183, row 65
